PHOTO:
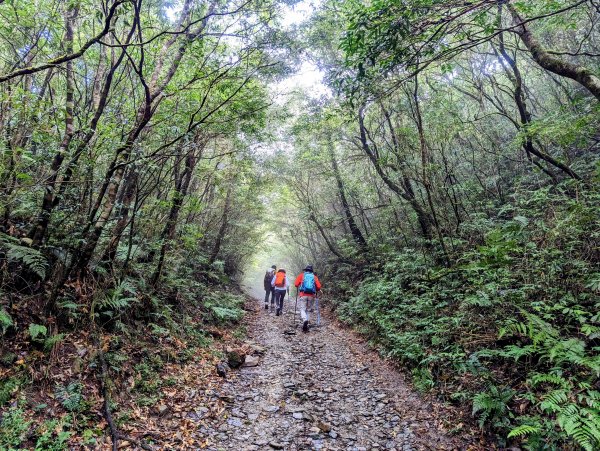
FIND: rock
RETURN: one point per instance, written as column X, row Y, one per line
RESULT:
column 221, row 369
column 235, row 358
column 325, row 427
column 307, row 416
column 257, row 349
column 77, row 363
column 250, row 361
column 162, row 409
column 234, row 422
column 298, row 415
column 237, row 413
column 276, row 445
column 227, row 398
column 333, row 434
column 271, row 409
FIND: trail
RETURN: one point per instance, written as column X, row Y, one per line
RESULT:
column 322, row 390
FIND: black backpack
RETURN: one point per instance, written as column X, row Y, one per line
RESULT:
column 268, row 278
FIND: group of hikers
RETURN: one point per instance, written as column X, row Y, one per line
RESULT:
column 277, row 285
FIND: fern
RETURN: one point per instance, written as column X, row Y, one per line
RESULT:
column 70, row 396
column 538, row 379
column 37, row 332
column 492, row 405
column 523, row 430
column 50, row 342
column 5, row 321
column 119, row 299
column 32, row 259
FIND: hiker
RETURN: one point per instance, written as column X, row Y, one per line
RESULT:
column 269, row 290
column 308, row 285
column 281, row 285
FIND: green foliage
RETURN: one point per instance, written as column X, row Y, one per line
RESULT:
column 508, row 303
column 8, row 388
column 5, row 321
column 71, row 397
column 492, row 406
column 13, row 428
column 114, row 302
column 30, row 258
column 50, row 342
column 523, row 430
column 223, row 307
column 51, row 440
column 37, row 332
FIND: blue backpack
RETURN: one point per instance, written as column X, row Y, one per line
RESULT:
column 308, row 283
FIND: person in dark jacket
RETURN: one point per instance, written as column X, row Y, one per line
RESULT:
column 269, row 289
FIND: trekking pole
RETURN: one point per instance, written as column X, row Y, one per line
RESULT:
column 295, row 307
column 318, row 311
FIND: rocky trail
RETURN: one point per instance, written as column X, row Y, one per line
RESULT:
column 323, row 390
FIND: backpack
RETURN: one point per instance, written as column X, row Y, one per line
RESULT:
column 308, row 283
column 280, row 279
column 268, row 278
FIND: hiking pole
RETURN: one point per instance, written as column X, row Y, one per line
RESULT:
column 318, row 311
column 295, row 307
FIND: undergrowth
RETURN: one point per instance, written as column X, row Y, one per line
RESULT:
column 511, row 325
column 141, row 333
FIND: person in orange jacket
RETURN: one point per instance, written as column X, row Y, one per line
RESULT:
column 280, row 284
column 308, row 285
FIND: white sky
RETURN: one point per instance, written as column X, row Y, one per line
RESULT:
column 308, row 79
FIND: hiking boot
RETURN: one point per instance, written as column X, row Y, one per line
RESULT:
column 305, row 326
column 266, row 306
column 278, row 312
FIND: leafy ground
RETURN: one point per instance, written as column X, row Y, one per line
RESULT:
column 54, row 388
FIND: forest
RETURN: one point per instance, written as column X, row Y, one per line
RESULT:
column 443, row 180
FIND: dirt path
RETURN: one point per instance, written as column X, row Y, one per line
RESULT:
column 322, row 390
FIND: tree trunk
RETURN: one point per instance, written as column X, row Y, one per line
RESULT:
column 525, row 119
column 38, row 233
column 129, row 194
column 426, row 162
column 354, row 230
column 551, row 63
column 224, row 223
column 53, row 195
column 181, row 188
column 424, row 218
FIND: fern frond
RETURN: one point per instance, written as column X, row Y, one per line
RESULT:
column 523, row 430
column 32, row 259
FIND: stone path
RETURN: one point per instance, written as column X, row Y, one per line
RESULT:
column 322, row 390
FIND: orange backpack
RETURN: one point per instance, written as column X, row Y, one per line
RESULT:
column 280, row 278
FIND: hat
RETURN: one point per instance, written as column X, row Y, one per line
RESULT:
column 273, row 266
column 281, row 270
column 308, row 268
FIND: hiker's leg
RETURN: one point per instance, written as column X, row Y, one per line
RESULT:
column 302, row 305
column 311, row 304
column 267, row 293
column 278, row 300
column 272, row 297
